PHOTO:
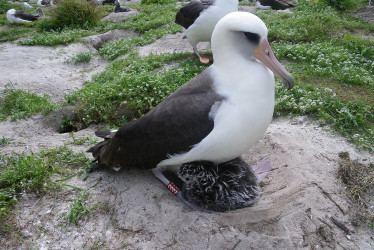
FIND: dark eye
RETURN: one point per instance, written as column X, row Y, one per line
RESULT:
column 267, row 52
column 252, row 37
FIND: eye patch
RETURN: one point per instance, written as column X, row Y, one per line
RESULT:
column 252, row 37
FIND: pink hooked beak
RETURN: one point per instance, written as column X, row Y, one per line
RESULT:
column 265, row 55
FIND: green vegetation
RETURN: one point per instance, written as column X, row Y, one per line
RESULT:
column 24, row 173
column 79, row 209
column 82, row 140
column 310, row 23
column 353, row 119
column 155, row 1
column 5, row 141
column 345, row 4
column 73, row 14
column 14, row 33
column 53, row 38
column 19, row 104
column 345, row 61
column 4, row 6
column 131, row 87
column 83, row 57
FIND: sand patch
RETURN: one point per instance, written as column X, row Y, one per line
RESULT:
column 43, row 70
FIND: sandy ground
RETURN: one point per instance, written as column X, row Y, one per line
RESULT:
column 294, row 212
column 43, row 70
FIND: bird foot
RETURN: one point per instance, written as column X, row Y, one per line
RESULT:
column 262, row 168
column 175, row 190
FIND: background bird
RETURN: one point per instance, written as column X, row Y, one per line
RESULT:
column 198, row 19
column 26, row 5
column 118, row 8
column 274, row 4
column 104, row 2
column 43, row 3
column 19, row 16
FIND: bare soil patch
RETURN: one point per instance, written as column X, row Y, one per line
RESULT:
column 43, row 70
column 366, row 13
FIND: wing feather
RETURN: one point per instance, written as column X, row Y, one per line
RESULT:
column 174, row 126
column 187, row 15
column 25, row 16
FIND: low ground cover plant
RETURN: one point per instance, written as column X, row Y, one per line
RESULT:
column 19, row 104
column 31, row 172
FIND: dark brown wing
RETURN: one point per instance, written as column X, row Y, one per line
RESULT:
column 25, row 16
column 174, row 126
column 277, row 4
column 187, row 15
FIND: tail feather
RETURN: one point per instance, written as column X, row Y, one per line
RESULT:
column 95, row 150
column 106, row 134
column 99, row 150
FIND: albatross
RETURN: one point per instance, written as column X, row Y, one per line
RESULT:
column 215, row 117
column 274, row 4
column 199, row 17
column 118, row 8
column 19, row 16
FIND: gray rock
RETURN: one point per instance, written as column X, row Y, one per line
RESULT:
column 119, row 16
column 24, row 233
column 97, row 41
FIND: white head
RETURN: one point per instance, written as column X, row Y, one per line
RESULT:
column 11, row 12
column 243, row 36
column 10, row 15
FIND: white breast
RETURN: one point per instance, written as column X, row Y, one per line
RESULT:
column 241, row 120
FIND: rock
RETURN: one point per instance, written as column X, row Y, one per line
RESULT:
column 119, row 16
column 298, row 120
column 366, row 13
column 24, row 233
column 97, row 41
column 246, row 8
column 3, row 28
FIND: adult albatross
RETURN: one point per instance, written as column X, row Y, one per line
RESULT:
column 19, row 16
column 215, row 117
column 275, row 4
column 199, row 17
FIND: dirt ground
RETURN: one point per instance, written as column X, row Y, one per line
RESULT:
column 299, row 202
column 366, row 13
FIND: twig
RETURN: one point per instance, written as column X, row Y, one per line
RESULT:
column 340, row 225
column 328, row 195
column 324, row 222
column 236, row 244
